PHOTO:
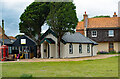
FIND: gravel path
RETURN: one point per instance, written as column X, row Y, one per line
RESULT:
column 71, row 59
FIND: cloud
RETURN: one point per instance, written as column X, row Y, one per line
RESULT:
column 119, row 9
column 96, row 7
column 11, row 10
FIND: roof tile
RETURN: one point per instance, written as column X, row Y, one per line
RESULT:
column 100, row 23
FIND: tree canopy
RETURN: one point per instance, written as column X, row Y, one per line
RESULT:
column 33, row 18
column 62, row 18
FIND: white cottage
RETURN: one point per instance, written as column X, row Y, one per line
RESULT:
column 72, row 45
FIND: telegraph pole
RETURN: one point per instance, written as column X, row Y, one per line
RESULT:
column 3, row 31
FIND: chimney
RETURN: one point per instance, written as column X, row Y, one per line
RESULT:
column 85, row 24
column 115, row 15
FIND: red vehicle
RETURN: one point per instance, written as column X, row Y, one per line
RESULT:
column 3, row 52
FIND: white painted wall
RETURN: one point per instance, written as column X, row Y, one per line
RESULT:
column 65, row 49
column 103, row 46
column 42, row 50
column 95, row 50
column 117, row 46
column 54, row 49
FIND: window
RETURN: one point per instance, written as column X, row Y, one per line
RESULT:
column 10, row 49
column 88, row 48
column 111, row 33
column 23, row 41
column 70, row 49
column 80, row 48
column 94, row 33
column 13, row 48
column 16, row 48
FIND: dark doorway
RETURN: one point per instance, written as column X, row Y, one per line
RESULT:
column 111, row 47
column 48, row 51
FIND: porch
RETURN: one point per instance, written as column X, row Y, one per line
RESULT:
column 48, row 48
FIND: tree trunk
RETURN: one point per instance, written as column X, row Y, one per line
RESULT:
column 39, row 45
column 39, row 52
column 59, row 47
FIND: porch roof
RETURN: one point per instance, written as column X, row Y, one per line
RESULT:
column 49, row 40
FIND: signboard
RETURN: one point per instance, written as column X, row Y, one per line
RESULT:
column 23, row 41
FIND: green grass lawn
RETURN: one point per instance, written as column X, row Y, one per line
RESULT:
column 89, row 68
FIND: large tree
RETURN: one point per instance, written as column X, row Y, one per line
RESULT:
column 32, row 20
column 61, row 19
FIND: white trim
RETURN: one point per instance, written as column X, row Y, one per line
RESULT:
column 109, row 33
column 92, row 33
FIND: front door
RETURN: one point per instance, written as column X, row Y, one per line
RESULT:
column 111, row 47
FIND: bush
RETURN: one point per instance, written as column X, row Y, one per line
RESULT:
column 26, row 76
column 113, row 52
column 119, row 52
column 103, row 52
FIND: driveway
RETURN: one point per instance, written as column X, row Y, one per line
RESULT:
column 71, row 59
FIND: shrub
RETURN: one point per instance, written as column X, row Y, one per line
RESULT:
column 26, row 76
column 113, row 52
column 119, row 52
column 103, row 52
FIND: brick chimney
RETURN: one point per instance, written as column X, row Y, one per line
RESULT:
column 85, row 24
column 115, row 15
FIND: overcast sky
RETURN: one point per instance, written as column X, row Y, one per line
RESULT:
column 11, row 10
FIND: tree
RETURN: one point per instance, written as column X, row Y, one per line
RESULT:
column 32, row 19
column 99, row 17
column 61, row 19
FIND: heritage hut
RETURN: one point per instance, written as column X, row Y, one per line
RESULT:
column 72, row 45
column 25, row 45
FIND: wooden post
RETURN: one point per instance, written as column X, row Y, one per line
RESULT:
column 19, row 49
column 3, row 31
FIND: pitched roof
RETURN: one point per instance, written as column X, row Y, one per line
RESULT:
column 70, row 37
column 29, row 42
column 77, row 38
column 6, row 41
column 11, row 37
column 100, row 23
column 5, row 36
column 49, row 40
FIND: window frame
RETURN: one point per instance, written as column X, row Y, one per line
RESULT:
column 70, row 48
column 80, row 48
column 88, row 48
column 109, row 34
column 93, row 33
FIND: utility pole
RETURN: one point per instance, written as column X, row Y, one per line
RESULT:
column 3, row 31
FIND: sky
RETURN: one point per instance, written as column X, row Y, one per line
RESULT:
column 11, row 10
